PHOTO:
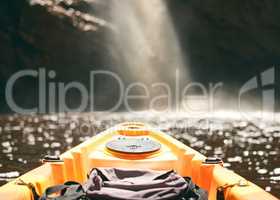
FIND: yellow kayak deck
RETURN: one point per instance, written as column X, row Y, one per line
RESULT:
column 77, row 162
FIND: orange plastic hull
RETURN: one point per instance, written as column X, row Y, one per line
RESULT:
column 78, row 161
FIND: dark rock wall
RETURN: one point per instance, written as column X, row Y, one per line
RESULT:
column 233, row 39
column 230, row 41
column 66, row 37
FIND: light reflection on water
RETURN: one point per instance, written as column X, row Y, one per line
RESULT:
column 251, row 151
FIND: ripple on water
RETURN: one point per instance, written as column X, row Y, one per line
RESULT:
column 276, row 171
column 262, row 171
column 9, row 175
column 234, row 159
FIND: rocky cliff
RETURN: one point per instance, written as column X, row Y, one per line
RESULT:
column 67, row 36
column 232, row 37
column 50, row 33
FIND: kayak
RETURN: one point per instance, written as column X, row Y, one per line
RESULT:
column 134, row 145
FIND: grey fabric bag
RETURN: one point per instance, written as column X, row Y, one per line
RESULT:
column 126, row 184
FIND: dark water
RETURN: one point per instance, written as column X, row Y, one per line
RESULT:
column 251, row 151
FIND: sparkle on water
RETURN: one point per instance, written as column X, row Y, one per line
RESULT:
column 251, row 151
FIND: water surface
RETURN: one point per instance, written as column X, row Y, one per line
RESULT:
column 251, row 151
